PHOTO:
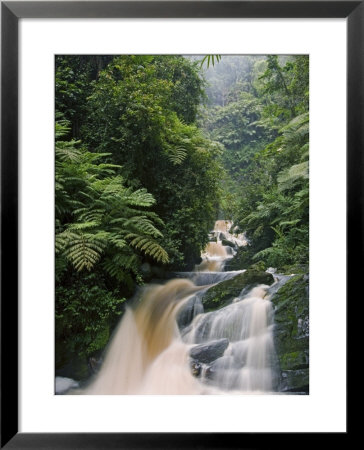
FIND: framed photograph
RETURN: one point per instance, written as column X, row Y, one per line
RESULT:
column 188, row 228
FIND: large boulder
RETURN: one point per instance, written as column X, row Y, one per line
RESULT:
column 291, row 334
column 295, row 380
column 206, row 353
column 223, row 293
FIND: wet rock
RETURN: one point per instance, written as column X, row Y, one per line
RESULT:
column 64, row 384
column 295, row 381
column 291, row 333
column 94, row 364
column 294, row 360
column 229, row 251
column 227, row 243
column 260, row 265
column 223, row 293
column 201, row 331
column 192, row 308
column 210, row 373
column 206, row 353
column 195, row 368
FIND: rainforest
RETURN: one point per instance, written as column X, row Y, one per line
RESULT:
column 182, row 224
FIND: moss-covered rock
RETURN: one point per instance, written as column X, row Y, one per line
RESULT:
column 294, row 360
column 295, row 380
column 301, row 269
column 223, row 293
column 291, row 333
column 241, row 260
column 260, row 265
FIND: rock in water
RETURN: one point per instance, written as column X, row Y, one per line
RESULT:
column 206, row 353
column 224, row 293
column 295, row 381
column 227, row 243
column 64, row 384
column 192, row 308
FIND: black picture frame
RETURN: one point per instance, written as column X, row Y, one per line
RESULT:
column 11, row 12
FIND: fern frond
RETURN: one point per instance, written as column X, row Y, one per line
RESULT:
column 84, row 251
column 177, row 155
column 143, row 225
column 140, row 198
column 66, row 151
column 63, row 239
column 118, row 241
column 62, row 128
column 83, row 225
column 119, row 263
column 87, row 215
column 149, row 247
column 287, row 178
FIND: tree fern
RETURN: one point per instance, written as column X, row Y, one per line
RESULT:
column 98, row 217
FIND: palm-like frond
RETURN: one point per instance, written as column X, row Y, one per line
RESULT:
column 288, row 177
column 177, row 155
column 210, row 60
column 84, row 251
column 104, row 219
column 148, row 246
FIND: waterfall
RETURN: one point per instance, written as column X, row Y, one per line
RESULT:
column 248, row 325
column 146, row 355
column 154, row 348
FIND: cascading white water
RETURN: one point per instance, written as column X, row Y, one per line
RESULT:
column 247, row 323
column 147, row 354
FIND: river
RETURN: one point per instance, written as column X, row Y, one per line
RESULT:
column 166, row 343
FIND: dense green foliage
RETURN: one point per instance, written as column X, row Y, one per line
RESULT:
column 263, row 126
column 150, row 151
column 135, row 182
column 102, row 226
column 224, row 292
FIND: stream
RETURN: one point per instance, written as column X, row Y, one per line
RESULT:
column 166, row 343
